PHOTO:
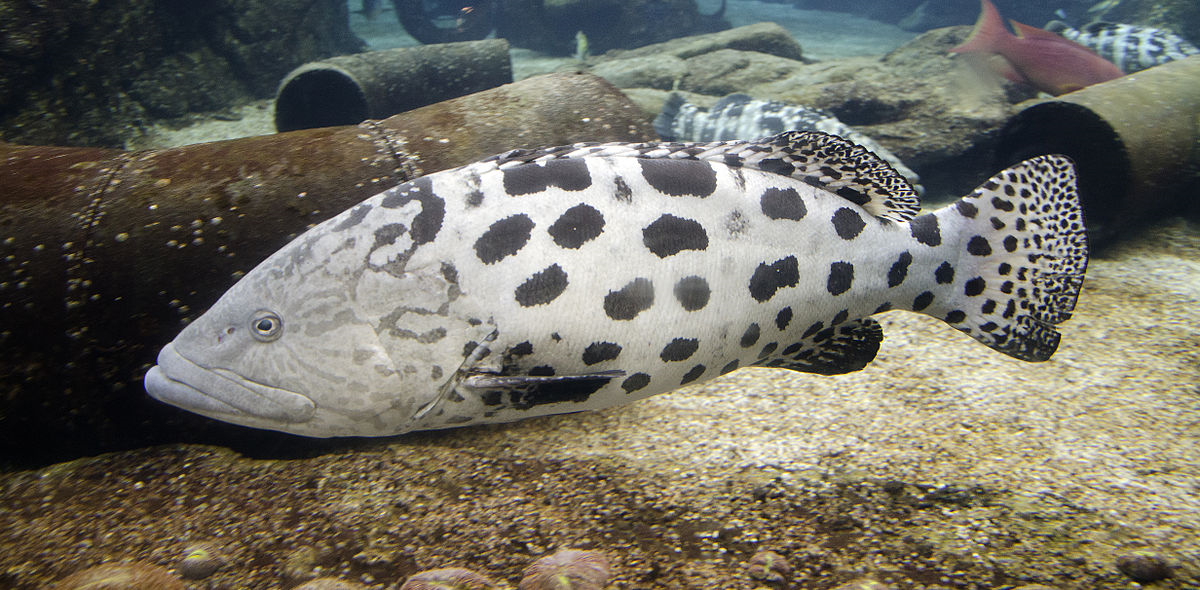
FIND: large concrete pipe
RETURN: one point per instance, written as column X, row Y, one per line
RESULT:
column 348, row 89
column 1135, row 140
column 105, row 254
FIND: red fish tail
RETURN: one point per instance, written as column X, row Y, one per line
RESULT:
column 989, row 33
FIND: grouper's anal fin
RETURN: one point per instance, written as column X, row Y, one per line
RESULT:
column 832, row 351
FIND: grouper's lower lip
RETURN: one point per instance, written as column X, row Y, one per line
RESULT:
column 222, row 394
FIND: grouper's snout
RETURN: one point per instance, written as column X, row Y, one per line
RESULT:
column 223, row 394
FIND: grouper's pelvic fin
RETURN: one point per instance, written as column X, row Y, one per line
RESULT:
column 1022, row 253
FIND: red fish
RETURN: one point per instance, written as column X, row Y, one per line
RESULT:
column 1035, row 57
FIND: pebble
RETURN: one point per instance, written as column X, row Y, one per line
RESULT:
column 132, row 575
column 769, row 566
column 449, row 578
column 200, row 560
column 1144, row 567
column 863, row 584
column 567, row 569
column 329, row 584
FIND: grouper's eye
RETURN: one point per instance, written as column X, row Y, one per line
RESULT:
column 266, row 326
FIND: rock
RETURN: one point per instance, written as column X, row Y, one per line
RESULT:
column 864, row 584
column 550, row 26
column 567, row 569
column 450, row 578
column 661, row 72
column 768, row 38
column 93, row 73
column 769, row 566
column 200, row 560
column 329, row 584
column 1144, row 567
column 121, row 576
column 726, row 71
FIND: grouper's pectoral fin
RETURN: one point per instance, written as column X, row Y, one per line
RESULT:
column 832, row 351
column 522, row 392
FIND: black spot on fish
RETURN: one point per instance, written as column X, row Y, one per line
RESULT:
column 567, row 174
column 693, row 374
column 979, row 246
column 1002, row 204
column 783, row 203
column 679, row 178
column 504, row 238
column 813, row 329
column 793, row 348
column 783, row 318
column 555, row 337
column 598, row 352
column 848, row 223
column 543, row 287
column 692, row 292
column 523, row 349
column 628, row 301
column 776, row 166
column 768, row 350
column 387, row 234
column 956, row 316
column 679, row 349
column 944, row 274
column 451, row 275
column 839, row 317
column 899, row 270
column 922, row 301
column 841, row 277
column 670, row 235
column 885, row 306
column 576, row 226
column 750, row 337
column 968, row 210
column 729, row 367
column 974, row 286
column 474, row 198
column 988, row 306
column 621, row 190
column 769, row 279
column 542, row 371
column 635, row 382
column 925, row 230
column 1010, row 243
column 357, row 214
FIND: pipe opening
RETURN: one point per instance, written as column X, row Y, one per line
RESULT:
column 1102, row 163
column 319, row 97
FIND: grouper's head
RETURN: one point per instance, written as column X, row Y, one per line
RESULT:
column 307, row 342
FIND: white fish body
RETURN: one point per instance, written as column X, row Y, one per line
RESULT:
column 740, row 116
column 582, row 277
column 1130, row 47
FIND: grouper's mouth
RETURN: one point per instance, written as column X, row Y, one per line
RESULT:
column 222, row 394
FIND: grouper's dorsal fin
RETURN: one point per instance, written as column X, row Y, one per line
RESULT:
column 825, row 161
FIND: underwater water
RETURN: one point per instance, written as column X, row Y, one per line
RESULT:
column 841, row 399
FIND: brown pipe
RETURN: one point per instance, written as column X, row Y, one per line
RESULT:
column 347, row 89
column 105, row 254
column 1135, row 141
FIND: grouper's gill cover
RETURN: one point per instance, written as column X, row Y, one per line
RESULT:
column 585, row 276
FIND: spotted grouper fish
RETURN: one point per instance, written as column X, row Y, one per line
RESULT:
column 591, row 275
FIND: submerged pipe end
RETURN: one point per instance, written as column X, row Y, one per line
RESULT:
column 319, row 95
column 1103, row 167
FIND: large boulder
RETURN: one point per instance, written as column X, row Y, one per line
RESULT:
column 93, row 73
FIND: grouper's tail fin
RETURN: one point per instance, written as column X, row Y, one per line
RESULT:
column 1023, row 253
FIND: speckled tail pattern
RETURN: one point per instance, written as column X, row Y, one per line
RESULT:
column 1022, row 259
